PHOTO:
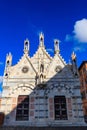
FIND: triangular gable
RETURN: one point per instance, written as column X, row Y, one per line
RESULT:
column 57, row 63
column 41, row 56
column 24, row 68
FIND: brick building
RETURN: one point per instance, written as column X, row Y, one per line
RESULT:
column 83, row 86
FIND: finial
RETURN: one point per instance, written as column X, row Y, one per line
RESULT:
column 56, row 46
column 26, row 46
column 74, row 64
column 41, row 39
column 73, row 56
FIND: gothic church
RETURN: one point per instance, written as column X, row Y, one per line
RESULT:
column 41, row 90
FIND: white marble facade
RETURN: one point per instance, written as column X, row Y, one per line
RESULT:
column 42, row 78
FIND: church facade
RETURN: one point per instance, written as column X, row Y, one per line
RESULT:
column 41, row 90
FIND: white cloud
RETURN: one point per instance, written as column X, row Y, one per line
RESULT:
column 80, row 30
column 78, row 36
column 1, row 79
column 68, row 38
column 80, row 49
column 50, row 50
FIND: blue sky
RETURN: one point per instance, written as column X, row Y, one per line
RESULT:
column 62, row 19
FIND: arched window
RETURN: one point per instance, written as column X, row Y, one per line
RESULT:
column 60, row 108
column 22, row 111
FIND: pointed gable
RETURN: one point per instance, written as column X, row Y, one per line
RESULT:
column 24, row 68
column 40, row 57
column 56, row 65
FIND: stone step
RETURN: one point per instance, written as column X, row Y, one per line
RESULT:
column 43, row 128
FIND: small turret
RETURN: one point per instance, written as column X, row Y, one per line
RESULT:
column 41, row 40
column 8, row 64
column 56, row 46
column 8, row 60
column 74, row 64
column 26, row 46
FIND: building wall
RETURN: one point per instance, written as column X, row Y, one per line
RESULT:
column 73, row 102
column 83, row 86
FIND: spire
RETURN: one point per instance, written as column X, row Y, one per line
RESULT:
column 26, row 46
column 56, row 46
column 41, row 40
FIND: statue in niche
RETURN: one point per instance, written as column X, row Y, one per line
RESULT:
column 42, row 68
column 37, row 79
column 41, row 78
